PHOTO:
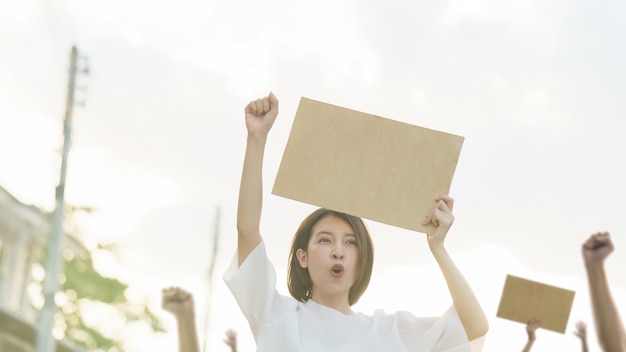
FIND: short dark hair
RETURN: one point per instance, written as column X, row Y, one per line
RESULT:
column 298, row 279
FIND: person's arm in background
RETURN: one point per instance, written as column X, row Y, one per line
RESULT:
column 531, row 328
column 231, row 340
column 180, row 303
column 465, row 302
column 581, row 333
column 610, row 330
column 260, row 115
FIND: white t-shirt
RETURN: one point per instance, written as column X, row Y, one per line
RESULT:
column 281, row 323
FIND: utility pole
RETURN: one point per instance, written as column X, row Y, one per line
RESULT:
column 216, row 236
column 54, row 260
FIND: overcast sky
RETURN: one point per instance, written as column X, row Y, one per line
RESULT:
column 537, row 88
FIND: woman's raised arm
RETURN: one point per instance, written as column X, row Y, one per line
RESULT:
column 465, row 302
column 260, row 115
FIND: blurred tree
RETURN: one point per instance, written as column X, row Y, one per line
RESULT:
column 83, row 286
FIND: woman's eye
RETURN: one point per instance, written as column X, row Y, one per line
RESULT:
column 351, row 242
column 325, row 240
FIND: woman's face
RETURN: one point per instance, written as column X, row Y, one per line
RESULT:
column 331, row 257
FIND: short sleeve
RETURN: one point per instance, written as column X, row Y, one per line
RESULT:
column 441, row 334
column 253, row 284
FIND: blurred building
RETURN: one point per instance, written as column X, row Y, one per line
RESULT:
column 24, row 230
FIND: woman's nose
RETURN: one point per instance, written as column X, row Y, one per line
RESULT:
column 338, row 252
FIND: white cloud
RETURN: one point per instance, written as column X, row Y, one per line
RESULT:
column 537, row 24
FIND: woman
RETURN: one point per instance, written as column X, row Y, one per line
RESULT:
column 330, row 266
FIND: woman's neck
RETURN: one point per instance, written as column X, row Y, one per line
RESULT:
column 338, row 303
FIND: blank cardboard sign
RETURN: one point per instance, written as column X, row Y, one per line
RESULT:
column 523, row 300
column 366, row 165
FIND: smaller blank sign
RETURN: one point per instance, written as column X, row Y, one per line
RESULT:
column 523, row 300
column 366, row 165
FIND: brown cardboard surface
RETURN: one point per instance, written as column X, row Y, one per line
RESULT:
column 523, row 300
column 366, row 165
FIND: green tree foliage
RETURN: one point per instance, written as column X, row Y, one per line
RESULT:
column 84, row 284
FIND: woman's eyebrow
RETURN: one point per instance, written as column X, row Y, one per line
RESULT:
column 329, row 233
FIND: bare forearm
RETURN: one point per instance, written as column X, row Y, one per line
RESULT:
column 584, row 346
column 187, row 334
column 609, row 327
column 465, row 302
column 250, row 198
column 528, row 346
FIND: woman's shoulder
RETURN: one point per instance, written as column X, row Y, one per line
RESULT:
column 380, row 313
column 399, row 319
column 378, row 317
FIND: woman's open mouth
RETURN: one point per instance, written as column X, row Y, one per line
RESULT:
column 337, row 270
